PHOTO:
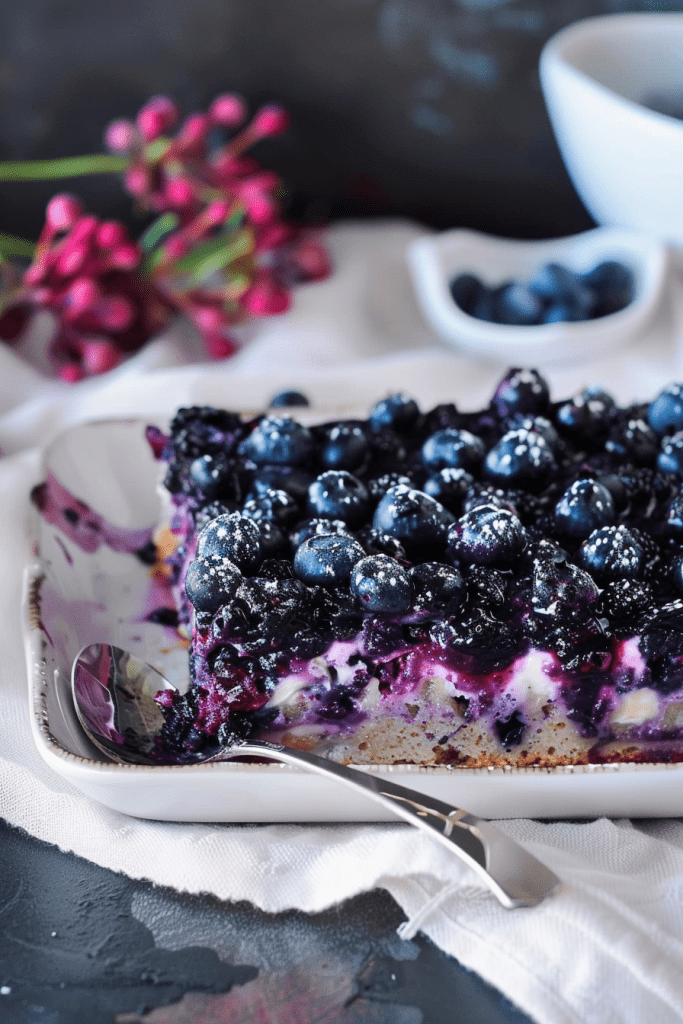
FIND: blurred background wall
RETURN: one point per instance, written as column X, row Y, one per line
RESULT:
column 429, row 109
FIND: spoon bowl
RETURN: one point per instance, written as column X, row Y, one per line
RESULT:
column 114, row 696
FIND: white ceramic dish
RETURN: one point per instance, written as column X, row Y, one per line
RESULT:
column 435, row 260
column 600, row 78
column 87, row 586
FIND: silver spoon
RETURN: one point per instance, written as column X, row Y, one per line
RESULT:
column 114, row 692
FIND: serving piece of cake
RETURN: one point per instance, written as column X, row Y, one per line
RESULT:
column 500, row 587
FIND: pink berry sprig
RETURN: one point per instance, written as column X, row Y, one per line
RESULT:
column 219, row 251
column 86, row 272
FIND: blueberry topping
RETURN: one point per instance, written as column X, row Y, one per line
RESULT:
column 665, row 413
column 674, row 519
column 381, row 584
column 438, row 589
column 539, row 425
column 612, row 284
column 375, row 542
column 670, row 458
column 274, row 506
column 584, row 507
column 610, row 553
column 339, row 495
column 214, row 475
column 233, row 536
column 316, row 527
column 453, row 448
column 588, row 415
column 626, row 601
column 397, row 412
column 450, row 487
column 286, row 399
column 210, row 582
column 379, row 485
column 280, row 441
column 344, row 446
column 562, row 591
column 327, row 559
column 487, row 536
column 282, row 478
column 634, row 441
column 521, row 458
column 413, row 517
column 522, row 391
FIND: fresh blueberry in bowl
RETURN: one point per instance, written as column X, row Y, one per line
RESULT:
column 437, row 589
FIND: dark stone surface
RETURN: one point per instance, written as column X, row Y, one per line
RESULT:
column 426, row 108
column 81, row 945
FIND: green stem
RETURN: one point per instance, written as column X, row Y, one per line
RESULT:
column 12, row 246
column 63, row 167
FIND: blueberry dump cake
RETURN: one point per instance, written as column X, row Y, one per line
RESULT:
column 500, row 587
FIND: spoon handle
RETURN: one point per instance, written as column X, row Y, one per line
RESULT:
column 514, row 875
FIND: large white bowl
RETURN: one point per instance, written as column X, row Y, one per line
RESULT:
column 625, row 159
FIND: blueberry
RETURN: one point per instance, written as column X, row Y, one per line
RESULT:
column 674, row 519
column 211, row 582
column 487, row 303
column 374, row 542
column 584, row 507
column 487, row 536
column 615, row 485
column 510, row 731
column 381, row 584
column 397, row 412
column 626, row 602
column 633, row 441
column 670, row 458
column 275, row 506
column 562, row 288
column 587, row 415
column 665, row 413
column 522, row 391
column 676, row 573
column 521, row 458
column 413, row 517
column 379, row 485
column 315, row 527
column 450, row 487
column 282, row 478
column 327, row 559
column 486, row 494
column 278, row 440
column 610, row 553
column 465, row 290
column 285, row 399
column 540, row 425
column 437, row 589
column 344, row 446
column 214, row 475
column 233, row 536
column 452, row 448
column 272, row 538
column 339, row 495
column 612, row 284
column 519, row 305
column 562, row 590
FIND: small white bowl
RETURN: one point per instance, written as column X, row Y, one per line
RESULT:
column 625, row 159
column 436, row 260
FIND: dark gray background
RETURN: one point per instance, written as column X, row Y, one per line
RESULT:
column 427, row 108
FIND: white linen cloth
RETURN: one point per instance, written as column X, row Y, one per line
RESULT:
column 608, row 949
